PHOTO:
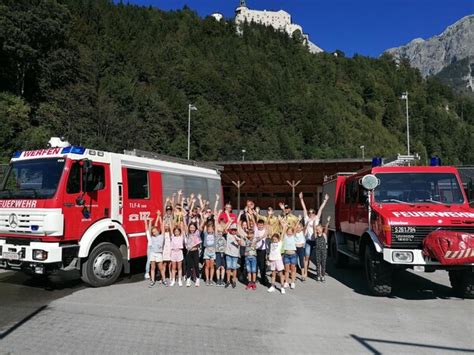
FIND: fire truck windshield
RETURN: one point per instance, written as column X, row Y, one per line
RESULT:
column 35, row 179
column 436, row 188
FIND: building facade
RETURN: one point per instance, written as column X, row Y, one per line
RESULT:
column 279, row 20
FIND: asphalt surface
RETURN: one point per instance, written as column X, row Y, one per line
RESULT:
column 65, row 316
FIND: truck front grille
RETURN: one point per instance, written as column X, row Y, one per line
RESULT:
column 414, row 239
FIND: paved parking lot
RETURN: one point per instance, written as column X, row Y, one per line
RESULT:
column 335, row 317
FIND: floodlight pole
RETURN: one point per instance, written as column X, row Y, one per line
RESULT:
column 238, row 185
column 293, row 185
column 191, row 107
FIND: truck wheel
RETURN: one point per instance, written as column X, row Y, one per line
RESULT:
column 378, row 272
column 462, row 282
column 103, row 266
column 339, row 260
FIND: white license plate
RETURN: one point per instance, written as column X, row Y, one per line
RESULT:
column 10, row 256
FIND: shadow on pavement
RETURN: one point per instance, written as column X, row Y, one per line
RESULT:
column 368, row 343
column 24, row 296
column 406, row 284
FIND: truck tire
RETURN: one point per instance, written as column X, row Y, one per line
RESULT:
column 103, row 266
column 378, row 272
column 339, row 260
column 462, row 282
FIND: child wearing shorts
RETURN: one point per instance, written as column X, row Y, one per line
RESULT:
column 290, row 257
column 250, row 244
column 276, row 263
column 232, row 253
column 155, row 244
column 177, row 244
column 209, row 253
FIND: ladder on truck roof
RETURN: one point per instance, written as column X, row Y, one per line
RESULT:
column 402, row 160
column 151, row 155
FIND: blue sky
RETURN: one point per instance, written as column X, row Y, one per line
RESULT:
column 354, row 26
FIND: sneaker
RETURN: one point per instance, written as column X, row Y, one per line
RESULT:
column 323, row 279
column 208, row 283
column 212, row 283
column 172, row 283
column 303, row 279
column 197, row 283
column 254, row 286
column 147, row 276
column 271, row 289
column 283, row 291
column 292, row 286
column 152, row 284
column 188, row 282
column 248, row 287
column 286, row 285
column 180, row 283
column 227, row 284
column 234, row 284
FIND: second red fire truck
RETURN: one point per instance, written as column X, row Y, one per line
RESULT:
column 382, row 216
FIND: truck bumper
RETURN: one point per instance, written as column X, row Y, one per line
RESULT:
column 36, row 257
column 411, row 257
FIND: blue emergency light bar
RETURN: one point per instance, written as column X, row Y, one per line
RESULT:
column 17, row 154
column 73, row 150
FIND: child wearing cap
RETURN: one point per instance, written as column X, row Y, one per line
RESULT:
column 232, row 253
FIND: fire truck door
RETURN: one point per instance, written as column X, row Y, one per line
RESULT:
column 83, row 205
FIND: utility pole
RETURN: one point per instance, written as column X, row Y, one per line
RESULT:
column 238, row 185
column 293, row 185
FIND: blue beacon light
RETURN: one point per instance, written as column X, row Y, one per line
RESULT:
column 377, row 161
column 435, row 161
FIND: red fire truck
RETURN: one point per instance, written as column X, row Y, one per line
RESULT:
column 68, row 207
column 382, row 215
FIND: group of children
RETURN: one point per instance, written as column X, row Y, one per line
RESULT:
column 225, row 243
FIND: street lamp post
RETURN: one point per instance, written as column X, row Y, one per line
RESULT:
column 405, row 97
column 362, row 148
column 191, row 107
column 243, row 154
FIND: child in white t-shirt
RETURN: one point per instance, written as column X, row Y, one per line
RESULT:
column 276, row 262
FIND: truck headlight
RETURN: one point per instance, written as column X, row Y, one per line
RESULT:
column 39, row 254
column 402, row 256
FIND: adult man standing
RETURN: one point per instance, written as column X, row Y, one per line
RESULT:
column 290, row 219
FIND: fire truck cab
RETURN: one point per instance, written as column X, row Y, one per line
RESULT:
column 380, row 217
column 68, row 207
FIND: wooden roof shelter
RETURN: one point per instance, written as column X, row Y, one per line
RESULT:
column 267, row 182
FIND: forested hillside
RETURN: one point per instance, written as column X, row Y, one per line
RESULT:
column 118, row 76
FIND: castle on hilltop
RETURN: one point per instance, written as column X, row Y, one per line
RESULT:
column 279, row 20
